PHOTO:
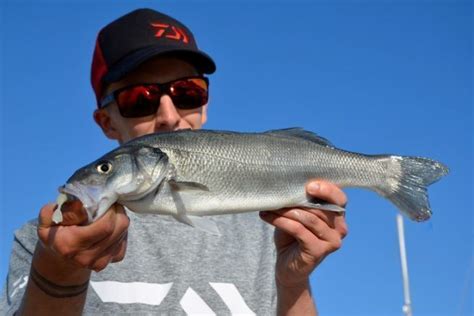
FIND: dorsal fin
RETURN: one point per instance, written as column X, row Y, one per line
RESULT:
column 301, row 133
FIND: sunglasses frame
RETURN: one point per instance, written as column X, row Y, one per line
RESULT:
column 112, row 97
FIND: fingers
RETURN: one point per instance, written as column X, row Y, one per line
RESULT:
column 45, row 218
column 120, row 253
column 92, row 246
column 116, row 234
column 326, row 226
column 333, row 220
column 98, row 258
column 73, row 213
column 100, row 234
column 100, row 229
column 291, row 227
column 333, row 194
column 326, row 191
column 312, row 226
column 304, row 226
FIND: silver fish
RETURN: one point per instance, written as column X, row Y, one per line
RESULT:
column 189, row 174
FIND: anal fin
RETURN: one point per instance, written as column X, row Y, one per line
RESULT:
column 323, row 205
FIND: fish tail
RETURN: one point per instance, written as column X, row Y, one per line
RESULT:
column 407, row 183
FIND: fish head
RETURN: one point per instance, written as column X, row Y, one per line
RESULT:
column 127, row 173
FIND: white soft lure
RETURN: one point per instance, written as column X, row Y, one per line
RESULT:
column 58, row 215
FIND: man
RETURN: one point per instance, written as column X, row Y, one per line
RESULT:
column 147, row 74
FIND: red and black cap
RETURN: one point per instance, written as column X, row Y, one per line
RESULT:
column 134, row 38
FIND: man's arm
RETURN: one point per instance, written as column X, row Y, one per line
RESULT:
column 65, row 255
column 303, row 238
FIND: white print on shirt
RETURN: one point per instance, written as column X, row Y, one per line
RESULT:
column 193, row 304
column 154, row 293
column 18, row 286
column 131, row 292
column 232, row 298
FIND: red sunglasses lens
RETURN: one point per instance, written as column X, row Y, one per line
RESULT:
column 139, row 101
column 189, row 93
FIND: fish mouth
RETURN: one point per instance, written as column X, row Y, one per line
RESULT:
column 90, row 196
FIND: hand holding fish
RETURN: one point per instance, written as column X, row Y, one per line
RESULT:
column 65, row 255
column 75, row 247
column 304, row 237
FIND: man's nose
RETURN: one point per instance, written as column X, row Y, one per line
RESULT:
column 167, row 116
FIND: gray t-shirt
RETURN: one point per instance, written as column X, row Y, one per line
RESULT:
column 172, row 268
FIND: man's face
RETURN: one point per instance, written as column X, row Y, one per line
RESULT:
column 167, row 116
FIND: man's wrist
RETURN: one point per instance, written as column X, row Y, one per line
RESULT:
column 58, row 270
column 295, row 299
column 56, row 290
column 56, row 285
column 294, row 290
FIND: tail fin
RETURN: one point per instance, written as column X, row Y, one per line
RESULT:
column 409, row 192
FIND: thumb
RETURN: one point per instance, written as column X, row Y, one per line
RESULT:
column 45, row 218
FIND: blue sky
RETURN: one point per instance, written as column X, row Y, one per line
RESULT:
column 371, row 76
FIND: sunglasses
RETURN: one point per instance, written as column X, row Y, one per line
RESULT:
column 144, row 99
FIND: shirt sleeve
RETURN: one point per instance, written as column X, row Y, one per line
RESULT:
column 24, row 243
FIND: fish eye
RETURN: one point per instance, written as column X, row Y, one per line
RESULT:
column 104, row 167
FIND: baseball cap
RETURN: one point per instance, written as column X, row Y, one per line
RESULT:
column 136, row 37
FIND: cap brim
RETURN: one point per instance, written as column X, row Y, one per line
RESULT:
column 198, row 59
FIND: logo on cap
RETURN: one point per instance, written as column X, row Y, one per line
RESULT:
column 170, row 31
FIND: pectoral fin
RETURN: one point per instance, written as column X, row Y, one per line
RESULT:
column 178, row 188
column 201, row 223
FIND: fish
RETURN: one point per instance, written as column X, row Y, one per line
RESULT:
column 192, row 174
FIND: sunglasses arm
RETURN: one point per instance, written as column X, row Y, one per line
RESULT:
column 106, row 100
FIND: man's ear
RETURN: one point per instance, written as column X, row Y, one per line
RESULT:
column 103, row 119
column 204, row 114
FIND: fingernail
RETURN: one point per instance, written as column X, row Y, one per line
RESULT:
column 314, row 186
